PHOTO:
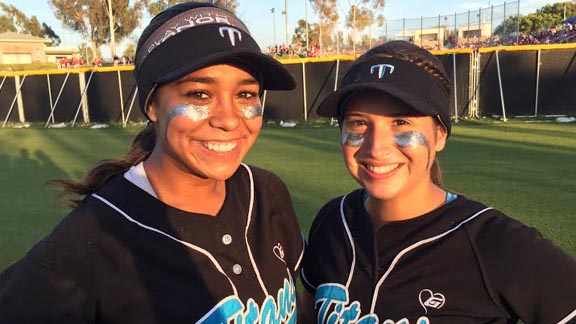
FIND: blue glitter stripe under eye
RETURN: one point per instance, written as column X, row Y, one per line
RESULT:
column 410, row 138
column 252, row 111
column 190, row 111
column 352, row 139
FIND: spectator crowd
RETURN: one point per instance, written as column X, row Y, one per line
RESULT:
column 555, row 35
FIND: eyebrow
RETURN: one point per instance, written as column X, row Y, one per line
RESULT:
column 402, row 114
column 392, row 115
column 209, row 80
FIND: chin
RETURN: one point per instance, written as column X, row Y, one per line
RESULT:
column 381, row 192
column 223, row 173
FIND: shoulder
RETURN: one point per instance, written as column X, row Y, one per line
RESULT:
column 266, row 184
column 506, row 248
column 332, row 210
column 523, row 269
column 489, row 227
column 262, row 176
column 80, row 222
column 494, row 229
column 68, row 250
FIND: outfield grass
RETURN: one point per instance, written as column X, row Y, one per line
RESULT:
column 526, row 170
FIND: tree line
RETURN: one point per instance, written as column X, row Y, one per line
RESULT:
column 546, row 17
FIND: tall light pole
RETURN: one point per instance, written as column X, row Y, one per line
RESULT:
column 112, row 40
column 286, row 19
column 354, row 30
column 273, row 11
column 320, row 29
column 306, row 19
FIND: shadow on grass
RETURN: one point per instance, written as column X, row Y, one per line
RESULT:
column 28, row 211
column 30, row 158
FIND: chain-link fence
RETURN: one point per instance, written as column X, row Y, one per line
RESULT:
column 494, row 25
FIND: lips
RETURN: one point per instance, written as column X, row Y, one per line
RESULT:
column 381, row 170
column 220, row 147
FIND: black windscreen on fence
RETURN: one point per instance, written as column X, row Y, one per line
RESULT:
column 104, row 93
column 557, row 82
column 111, row 95
column 286, row 105
column 518, row 75
column 64, row 95
column 7, row 94
column 462, row 80
column 320, row 80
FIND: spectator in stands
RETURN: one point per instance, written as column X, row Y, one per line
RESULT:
column 97, row 62
column 77, row 61
column 64, row 63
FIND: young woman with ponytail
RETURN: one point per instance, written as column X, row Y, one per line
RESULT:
column 178, row 230
column 403, row 249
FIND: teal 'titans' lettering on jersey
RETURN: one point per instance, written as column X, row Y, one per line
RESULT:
column 334, row 307
column 281, row 310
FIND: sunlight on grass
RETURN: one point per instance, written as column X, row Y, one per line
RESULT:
column 524, row 169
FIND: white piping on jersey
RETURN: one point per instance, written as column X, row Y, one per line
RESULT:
column 351, row 241
column 569, row 317
column 301, row 253
column 412, row 247
column 192, row 246
column 248, row 226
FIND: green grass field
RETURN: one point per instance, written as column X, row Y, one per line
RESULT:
column 526, row 170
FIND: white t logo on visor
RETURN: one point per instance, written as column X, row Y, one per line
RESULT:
column 232, row 32
column 381, row 68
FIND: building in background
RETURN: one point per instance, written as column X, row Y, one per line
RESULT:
column 22, row 49
column 56, row 53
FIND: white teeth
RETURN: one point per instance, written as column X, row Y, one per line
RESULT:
column 220, row 147
column 382, row 169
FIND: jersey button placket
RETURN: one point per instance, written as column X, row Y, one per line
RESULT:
column 227, row 239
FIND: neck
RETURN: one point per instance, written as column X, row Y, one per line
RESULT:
column 178, row 187
column 405, row 206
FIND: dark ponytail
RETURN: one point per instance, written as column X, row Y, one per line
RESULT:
column 96, row 177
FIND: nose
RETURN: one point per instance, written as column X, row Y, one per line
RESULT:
column 225, row 116
column 379, row 142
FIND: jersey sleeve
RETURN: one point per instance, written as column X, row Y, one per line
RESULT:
column 51, row 284
column 527, row 274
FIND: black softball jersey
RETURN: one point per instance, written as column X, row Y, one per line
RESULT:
column 122, row 256
column 461, row 263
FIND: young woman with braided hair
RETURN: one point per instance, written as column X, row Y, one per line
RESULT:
column 403, row 249
column 179, row 230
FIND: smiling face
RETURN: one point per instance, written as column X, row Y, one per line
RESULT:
column 207, row 121
column 389, row 147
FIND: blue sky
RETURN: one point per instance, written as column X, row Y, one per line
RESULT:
column 256, row 14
